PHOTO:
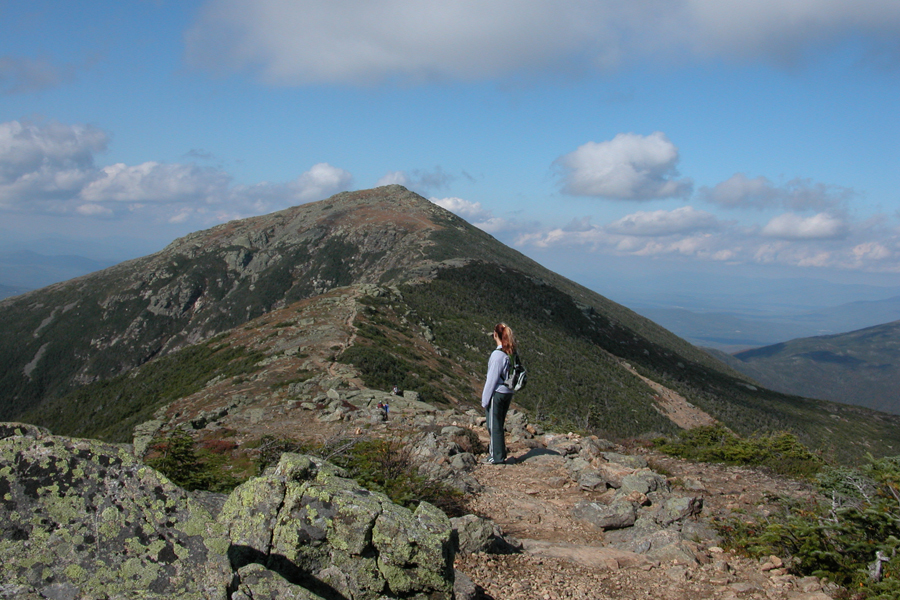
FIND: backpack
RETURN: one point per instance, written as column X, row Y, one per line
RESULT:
column 516, row 377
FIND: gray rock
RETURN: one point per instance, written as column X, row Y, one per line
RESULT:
column 90, row 517
column 592, row 482
column 22, row 430
column 628, row 460
column 613, row 516
column 464, row 461
column 644, row 482
column 308, row 524
column 464, row 588
column 678, row 509
column 477, row 534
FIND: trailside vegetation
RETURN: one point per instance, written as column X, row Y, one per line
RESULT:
column 179, row 458
column 851, row 536
column 781, row 451
column 376, row 464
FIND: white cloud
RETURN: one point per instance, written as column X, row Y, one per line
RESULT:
column 393, row 177
column 321, row 181
column 791, row 226
column 295, row 42
column 821, row 241
column 477, row 215
column 871, row 251
column 45, row 161
column 420, row 180
column 663, row 222
column 49, row 168
column 93, row 210
column 739, row 191
column 471, row 211
column 628, row 167
column 156, row 182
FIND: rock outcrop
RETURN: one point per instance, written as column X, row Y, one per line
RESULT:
column 82, row 518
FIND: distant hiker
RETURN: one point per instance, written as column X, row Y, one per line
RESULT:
column 496, row 397
column 387, row 409
column 395, row 391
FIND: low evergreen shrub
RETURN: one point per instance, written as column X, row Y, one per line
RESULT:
column 781, row 452
column 178, row 458
column 852, row 537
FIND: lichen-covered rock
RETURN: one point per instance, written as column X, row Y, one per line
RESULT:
column 678, row 509
column 617, row 515
column 643, row 481
column 81, row 518
column 321, row 531
column 22, row 429
column 477, row 534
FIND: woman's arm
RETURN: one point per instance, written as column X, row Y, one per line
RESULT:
column 495, row 370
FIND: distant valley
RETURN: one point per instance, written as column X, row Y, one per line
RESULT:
column 740, row 330
column 860, row 367
column 23, row 270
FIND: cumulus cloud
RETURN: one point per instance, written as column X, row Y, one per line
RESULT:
column 480, row 217
column 49, row 168
column 628, row 167
column 393, row 177
column 664, row 222
column 46, row 161
column 471, row 211
column 296, row 42
column 791, row 226
column 320, row 181
column 820, row 241
column 739, row 191
column 156, row 182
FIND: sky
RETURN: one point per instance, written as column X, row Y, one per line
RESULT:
column 613, row 141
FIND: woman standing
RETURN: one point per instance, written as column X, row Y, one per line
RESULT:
column 496, row 397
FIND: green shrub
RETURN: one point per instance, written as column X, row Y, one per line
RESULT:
column 782, row 452
column 178, row 458
column 852, row 537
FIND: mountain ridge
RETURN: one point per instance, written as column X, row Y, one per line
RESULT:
column 858, row 367
column 421, row 289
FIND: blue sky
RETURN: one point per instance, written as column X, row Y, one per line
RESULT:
column 640, row 138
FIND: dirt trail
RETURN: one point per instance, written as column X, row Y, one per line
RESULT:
column 565, row 558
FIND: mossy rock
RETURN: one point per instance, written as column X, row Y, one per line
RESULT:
column 320, row 530
column 86, row 516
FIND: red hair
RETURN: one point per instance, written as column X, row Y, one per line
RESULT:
column 507, row 337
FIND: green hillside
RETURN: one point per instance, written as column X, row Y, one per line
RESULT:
column 860, row 367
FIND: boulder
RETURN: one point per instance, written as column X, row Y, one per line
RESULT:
column 613, row 516
column 81, row 518
column 626, row 460
column 324, row 533
column 676, row 509
column 644, row 481
column 477, row 534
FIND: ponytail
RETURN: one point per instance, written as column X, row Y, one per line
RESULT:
column 507, row 337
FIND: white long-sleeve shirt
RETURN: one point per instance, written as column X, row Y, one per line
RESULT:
column 498, row 369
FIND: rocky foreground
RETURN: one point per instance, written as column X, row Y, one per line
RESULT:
column 570, row 517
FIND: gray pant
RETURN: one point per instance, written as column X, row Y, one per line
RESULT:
column 496, row 418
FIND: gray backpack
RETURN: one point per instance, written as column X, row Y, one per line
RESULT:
column 516, row 377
